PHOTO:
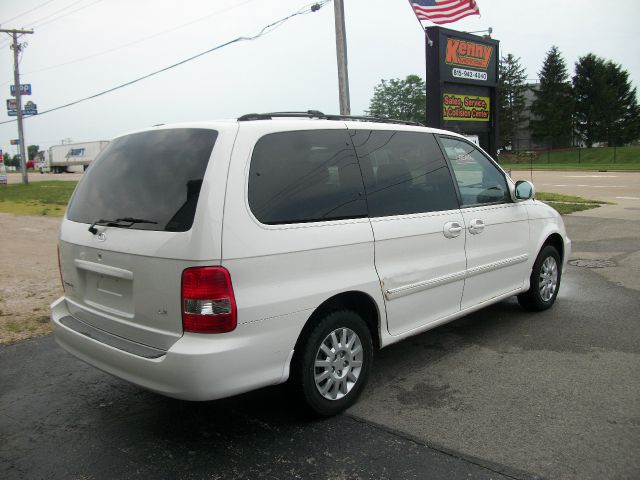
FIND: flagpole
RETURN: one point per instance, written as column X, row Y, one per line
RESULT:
column 429, row 41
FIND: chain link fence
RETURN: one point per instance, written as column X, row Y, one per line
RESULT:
column 574, row 156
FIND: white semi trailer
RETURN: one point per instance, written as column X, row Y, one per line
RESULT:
column 70, row 156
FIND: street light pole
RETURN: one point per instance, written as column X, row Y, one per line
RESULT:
column 16, row 80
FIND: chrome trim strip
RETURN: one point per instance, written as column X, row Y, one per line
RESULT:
column 507, row 262
column 109, row 339
column 426, row 285
column 454, row 277
column 103, row 269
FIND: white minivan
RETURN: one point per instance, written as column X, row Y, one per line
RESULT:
column 208, row 259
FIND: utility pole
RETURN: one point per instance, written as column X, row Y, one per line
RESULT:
column 341, row 51
column 17, row 47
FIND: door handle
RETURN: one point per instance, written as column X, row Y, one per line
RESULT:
column 452, row 229
column 476, row 226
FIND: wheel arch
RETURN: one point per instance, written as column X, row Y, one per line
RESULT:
column 359, row 302
column 556, row 241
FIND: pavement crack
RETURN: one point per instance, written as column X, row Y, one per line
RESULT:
column 494, row 467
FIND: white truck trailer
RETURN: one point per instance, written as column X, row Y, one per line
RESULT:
column 70, row 156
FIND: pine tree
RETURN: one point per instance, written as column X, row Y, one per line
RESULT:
column 552, row 106
column 588, row 83
column 622, row 121
column 400, row 99
column 606, row 105
column 511, row 101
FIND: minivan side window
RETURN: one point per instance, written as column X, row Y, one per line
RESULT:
column 305, row 176
column 404, row 172
column 479, row 180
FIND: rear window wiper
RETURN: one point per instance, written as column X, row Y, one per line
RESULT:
column 124, row 222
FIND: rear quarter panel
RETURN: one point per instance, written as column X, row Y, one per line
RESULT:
column 278, row 270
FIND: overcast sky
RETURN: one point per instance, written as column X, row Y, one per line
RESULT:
column 292, row 68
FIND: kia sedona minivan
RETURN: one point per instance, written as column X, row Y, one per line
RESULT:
column 208, row 259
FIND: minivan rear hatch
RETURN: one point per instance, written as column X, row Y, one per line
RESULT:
column 133, row 225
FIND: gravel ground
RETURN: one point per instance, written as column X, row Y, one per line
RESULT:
column 29, row 270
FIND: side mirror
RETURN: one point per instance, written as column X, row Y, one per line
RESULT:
column 524, row 190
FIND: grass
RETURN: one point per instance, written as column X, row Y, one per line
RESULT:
column 604, row 167
column 38, row 198
column 13, row 331
column 601, row 158
column 566, row 204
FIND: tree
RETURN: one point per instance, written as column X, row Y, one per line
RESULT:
column 606, row 105
column 32, row 151
column 621, row 121
column 10, row 161
column 511, row 102
column 400, row 99
column 552, row 106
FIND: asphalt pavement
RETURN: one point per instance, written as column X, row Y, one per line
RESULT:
column 61, row 419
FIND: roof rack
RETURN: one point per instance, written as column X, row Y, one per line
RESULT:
column 362, row 118
column 269, row 116
column 320, row 115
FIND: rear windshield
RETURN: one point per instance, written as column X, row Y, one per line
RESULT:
column 155, row 176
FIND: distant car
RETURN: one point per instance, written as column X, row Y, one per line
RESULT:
column 208, row 259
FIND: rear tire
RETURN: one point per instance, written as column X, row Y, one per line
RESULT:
column 544, row 281
column 333, row 363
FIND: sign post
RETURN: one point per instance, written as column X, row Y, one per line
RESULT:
column 461, row 81
column 17, row 48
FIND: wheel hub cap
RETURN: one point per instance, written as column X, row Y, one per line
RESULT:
column 548, row 279
column 338, row 363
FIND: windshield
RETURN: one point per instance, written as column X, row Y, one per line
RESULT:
column 153, row 175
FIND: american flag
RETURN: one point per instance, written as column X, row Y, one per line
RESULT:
column 444, row 11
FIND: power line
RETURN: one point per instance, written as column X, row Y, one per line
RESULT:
column 49, row 15
column 28, row 11
column 38, row 25
column 265, row 30
column 140, row 40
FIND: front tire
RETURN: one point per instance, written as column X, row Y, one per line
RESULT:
column 334, row 361
column 544, row 281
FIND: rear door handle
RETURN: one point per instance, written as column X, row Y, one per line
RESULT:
column 452, row 229
column 476, row 226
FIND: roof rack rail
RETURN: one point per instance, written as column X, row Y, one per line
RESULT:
column 320, row 115
column 270, row 115
column 362, row 118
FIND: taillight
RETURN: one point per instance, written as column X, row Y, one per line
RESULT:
column 208, row 303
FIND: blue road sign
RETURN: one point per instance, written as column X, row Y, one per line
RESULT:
column 25, row 89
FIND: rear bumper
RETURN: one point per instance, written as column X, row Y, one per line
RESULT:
column 196, row 367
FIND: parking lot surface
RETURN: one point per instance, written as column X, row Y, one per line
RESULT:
column 68, row 420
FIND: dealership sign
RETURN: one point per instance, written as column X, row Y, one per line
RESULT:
column 461, row 84
column 468, row 60
column 465, row 107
